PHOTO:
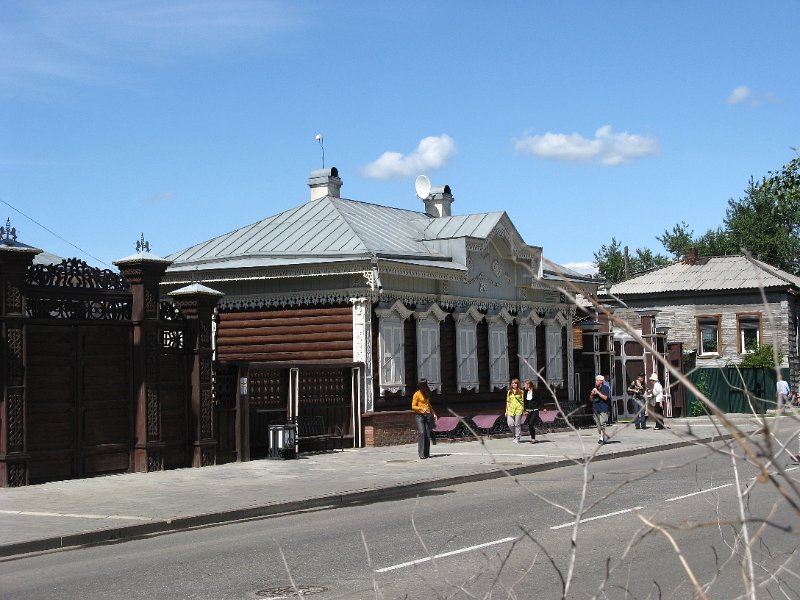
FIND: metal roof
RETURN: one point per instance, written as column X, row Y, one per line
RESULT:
column 334, row 229
column 716, row 273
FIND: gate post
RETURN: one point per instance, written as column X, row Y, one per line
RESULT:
column 15, row 258
column 143, row 272
column 197, row 303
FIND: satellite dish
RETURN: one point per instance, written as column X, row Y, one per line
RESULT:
column 422, row 186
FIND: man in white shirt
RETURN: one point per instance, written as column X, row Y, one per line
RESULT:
column 783, row 394
column 656, row 394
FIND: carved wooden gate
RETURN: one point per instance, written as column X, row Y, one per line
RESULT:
column 78, row 394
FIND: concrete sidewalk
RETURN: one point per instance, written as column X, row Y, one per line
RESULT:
column 104, row 509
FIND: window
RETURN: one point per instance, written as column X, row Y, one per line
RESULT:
column 553, row 345
column 498, row 355
column 527, row 353
column 428, row 352
column 749, row 327
column 391, row 354
column 708, row 341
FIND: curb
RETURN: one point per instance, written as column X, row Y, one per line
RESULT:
column 363, row 496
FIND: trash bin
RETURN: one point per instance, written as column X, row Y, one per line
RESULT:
column 281, row 441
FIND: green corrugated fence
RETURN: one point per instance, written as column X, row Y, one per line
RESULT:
column 732, row 390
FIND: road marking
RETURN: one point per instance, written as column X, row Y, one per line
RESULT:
column 452, row 553
column 719, row 487
column 613, row 514
column 72, row 515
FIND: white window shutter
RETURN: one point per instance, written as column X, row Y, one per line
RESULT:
column 498, row 355
column 527, row 351
column 555, row 370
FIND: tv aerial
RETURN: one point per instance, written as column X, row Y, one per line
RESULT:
column 318, row 137
column 422, row 186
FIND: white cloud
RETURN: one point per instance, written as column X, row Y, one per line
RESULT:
column 586, row 267
column 431, row 153
column 744, row 94
column 607, row 147
column 160, row 197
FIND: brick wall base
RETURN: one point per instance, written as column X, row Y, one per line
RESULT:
column 389, row 428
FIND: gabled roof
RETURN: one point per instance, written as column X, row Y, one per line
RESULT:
column 716, row 273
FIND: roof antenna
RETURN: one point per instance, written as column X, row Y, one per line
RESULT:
column 321, row 145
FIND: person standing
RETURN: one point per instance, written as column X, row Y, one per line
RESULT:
column 636, row 390
column 425, row 417
column 600, row 399
column 532, row 407
column 656, row 394
column 514, row 408
column 783, row 394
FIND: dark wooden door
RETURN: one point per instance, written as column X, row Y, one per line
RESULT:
column 78, row 400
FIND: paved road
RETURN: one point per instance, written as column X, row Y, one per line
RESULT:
column 509, row 539
column 90, row 511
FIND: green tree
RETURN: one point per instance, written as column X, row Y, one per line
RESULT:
column 610, row 261
column 765, row 222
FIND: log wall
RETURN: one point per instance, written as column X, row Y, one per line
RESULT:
column 287, row 335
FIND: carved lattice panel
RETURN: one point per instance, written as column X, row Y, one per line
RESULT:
column 267, row 388
column 324, row 386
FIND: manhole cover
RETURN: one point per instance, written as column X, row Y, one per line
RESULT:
column 288, row 591
column 399, row 460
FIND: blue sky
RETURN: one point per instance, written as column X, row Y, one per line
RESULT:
column 582, row 120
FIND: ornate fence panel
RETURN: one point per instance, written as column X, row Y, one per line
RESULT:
column 327, row 392
column 224, row 389
column 173, row 387
column 78, row 394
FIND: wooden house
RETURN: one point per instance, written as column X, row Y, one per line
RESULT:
column 719, row 308
column 338, row 307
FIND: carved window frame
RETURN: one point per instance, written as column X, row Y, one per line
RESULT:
column 467, row 348
column 429, row 360
column 526, row 334
column 553, row 350
column 391, row 347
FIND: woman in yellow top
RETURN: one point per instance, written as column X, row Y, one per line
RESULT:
column 515, row 406
column 425, row 416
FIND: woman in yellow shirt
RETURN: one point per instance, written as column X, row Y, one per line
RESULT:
column 425, row 416
column 515, row 406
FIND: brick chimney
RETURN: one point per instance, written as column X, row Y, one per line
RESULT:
column 692, row 256
column 438, row 202
column 324, row 182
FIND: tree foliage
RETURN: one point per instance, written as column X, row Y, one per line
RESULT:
column 610, row 261
column 764, row 222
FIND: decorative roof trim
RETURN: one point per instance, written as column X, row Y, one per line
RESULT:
column 432, row 310
column 398, row 308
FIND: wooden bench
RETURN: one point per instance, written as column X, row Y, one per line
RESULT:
column 312, row 429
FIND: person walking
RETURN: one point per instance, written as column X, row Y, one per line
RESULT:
column 515, row 407
column 600, row 399
column 783, row 391
column 532, row 407
column 656, row 396
column 636, row 390
column 425, row 417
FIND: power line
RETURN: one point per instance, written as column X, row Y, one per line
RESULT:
column 50, row 231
